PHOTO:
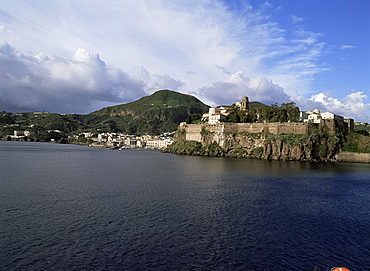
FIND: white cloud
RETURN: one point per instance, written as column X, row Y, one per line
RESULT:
column 344, row 47
column 56, row 84
column 155, row 82
column 4, row 30
column 170, row 38
column 354, row 105
column 239, row 85
column 195, row 46
column 296, row 19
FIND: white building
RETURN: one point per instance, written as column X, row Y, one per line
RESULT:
column 216, row 114
column 20, row 134
column 159, row 143
column 87, row 135
column 315, row 116
column 328, row 115
column 205, row 117
column 216, row 118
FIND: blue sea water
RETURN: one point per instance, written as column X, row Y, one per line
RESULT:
column 66, row 207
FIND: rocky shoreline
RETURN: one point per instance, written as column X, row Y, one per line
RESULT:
column 348, row 157
column 328, row 142
column 312, row 149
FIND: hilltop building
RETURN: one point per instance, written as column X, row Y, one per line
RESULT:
column 217, row 114
column 245, row 104
column 315, row 116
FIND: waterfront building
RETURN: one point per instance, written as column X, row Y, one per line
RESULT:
column 315, row 116
column 216, row 114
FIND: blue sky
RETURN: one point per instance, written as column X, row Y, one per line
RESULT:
column 78, row 56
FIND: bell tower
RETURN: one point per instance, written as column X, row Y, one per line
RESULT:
column 245, row 104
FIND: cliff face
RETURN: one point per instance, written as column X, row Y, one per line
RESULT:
column 284, row 147
column 306, row 143
column 309, row 151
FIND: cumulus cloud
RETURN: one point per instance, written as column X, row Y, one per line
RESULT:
column 158, row 81
column 194, row 46
column 173, row 38
column 79, row 84
column 353, row 105
column 238, row 85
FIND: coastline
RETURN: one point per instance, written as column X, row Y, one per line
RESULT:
column 353, row 157
column 328, row 141
column 342, row 157
column 213, row 150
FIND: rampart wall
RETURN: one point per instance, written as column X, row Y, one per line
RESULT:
column 219, row 132
column 353, row 157
column 193, row 131
column 252, row 136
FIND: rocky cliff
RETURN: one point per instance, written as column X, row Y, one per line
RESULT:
column 318, row 145
column 313, row 147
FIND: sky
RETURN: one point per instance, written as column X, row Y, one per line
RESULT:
column 67, row 56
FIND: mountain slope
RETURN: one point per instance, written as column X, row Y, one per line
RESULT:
column 155, row 114
column 255, row 105
column 160, row 112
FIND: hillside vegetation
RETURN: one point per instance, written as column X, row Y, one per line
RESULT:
column 357, row 142
column 155, row 114
column 258, row 112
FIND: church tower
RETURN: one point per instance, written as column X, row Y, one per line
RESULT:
column 245, row 104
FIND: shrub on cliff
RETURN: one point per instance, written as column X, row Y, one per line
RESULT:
column 239, row 150
column 292, row 139
column 205, row 132
column 195, row 148
column 212, row 149
column 258, row 150
column 356, row 142
column 188, row 146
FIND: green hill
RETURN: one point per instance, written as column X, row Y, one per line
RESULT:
column 160, row 112
column 255, row 105
column 155, row 114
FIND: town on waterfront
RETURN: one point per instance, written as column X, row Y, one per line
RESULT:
column 114, row 141
column 244, row 129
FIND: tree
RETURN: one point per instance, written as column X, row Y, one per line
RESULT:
column 274, row 113
column 292, row 111
column 234, row 115
column 282, row 115
column 192, row 118
column 265, row 113
column 251, row 116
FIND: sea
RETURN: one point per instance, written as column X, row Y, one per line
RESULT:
column 68, row 207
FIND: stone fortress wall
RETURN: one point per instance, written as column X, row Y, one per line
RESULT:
column 328, row 123
column 193, row 131
column 251, row 136
column 220, row 131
